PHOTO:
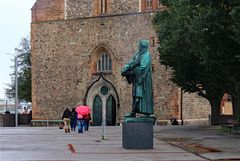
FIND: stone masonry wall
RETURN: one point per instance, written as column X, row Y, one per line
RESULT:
column 89, row 8
column 195, row 107
column 79, row 8
column 117, row 7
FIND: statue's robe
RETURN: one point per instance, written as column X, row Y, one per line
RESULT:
column 138, row 72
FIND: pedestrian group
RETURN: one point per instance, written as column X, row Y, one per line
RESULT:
column 72, row 119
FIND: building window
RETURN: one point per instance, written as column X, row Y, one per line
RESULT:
column 104, row 90
column 152, row 41
column 226, row 105
column 104, row 63
column 149, row 4
column 103, row 6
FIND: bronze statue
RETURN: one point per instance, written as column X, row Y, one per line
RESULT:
column 138, row 72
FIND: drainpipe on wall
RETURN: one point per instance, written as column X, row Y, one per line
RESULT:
column 181, row 105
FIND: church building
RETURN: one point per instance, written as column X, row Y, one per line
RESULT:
column 78, row 49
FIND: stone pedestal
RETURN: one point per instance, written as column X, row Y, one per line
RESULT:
column 137, row 134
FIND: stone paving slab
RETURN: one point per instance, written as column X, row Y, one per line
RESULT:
column 52, row 144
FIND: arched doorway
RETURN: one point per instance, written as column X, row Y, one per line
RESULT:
column 102, row 99
column 226, row 105
column 111, row 111
column 97, row 111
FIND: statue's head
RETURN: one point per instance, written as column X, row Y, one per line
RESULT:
column 143, row 44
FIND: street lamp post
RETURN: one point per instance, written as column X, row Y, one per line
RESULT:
column 16, row 89
column 16, row 85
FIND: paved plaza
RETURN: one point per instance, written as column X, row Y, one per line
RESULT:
column 188, row 143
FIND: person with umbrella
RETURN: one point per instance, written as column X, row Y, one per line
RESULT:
column 82, row 110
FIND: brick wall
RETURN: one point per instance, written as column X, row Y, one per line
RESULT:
column 7, row 120
column 156, row 5
column 48, row 10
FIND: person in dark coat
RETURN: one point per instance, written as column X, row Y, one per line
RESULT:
column 66, row 120
column 73, row 119
column 175, row 122
column 87, row 119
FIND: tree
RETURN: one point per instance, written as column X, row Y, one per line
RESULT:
column 24, row 73
column 199, row 41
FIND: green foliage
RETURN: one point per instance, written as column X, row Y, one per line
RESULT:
column 24, row 73
column 199, row 41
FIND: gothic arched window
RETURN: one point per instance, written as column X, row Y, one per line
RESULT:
column 149, row 4
column 103, row 6
column 104, row 63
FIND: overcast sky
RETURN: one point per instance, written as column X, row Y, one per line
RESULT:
column 15, row 16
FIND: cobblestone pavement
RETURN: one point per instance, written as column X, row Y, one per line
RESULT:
column 172, row 143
